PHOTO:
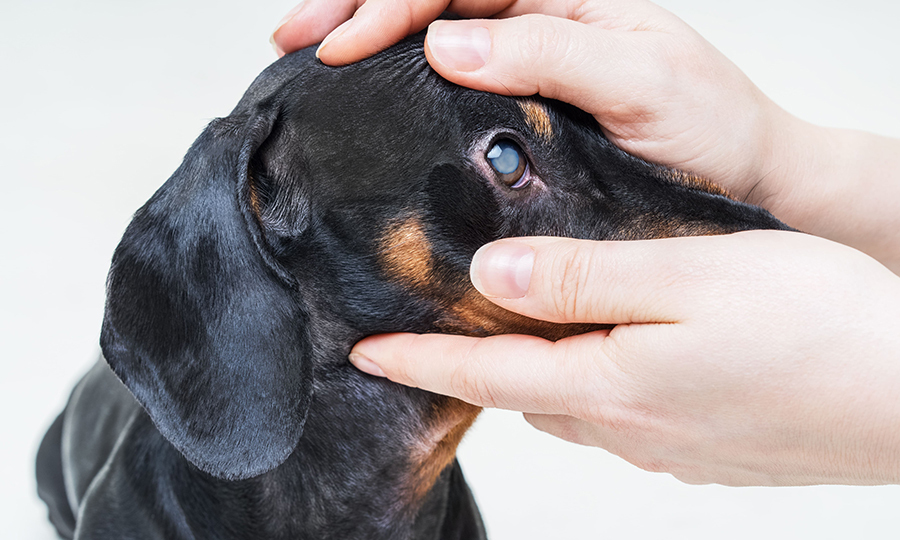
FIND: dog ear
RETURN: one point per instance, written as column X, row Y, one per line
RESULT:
column 202, row 325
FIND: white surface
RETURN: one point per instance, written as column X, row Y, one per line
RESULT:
column 99, row 101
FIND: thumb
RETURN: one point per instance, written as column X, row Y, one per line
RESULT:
column 593, row 68
column 564, row 280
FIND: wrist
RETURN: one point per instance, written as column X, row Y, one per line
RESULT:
column 834, row 183
column 782, row 181
column 802, row 173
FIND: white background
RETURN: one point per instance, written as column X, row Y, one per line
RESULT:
column 99, row 100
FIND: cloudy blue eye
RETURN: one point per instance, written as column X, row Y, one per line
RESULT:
column 508, row 162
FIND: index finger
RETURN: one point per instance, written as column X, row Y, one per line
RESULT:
column 309, row 22
column 515, row 372
column 378, row 24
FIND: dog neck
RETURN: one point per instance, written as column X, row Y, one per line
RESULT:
column 375, row 460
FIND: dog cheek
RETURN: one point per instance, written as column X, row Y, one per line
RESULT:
column 462, row 211
column 475, row 315
column 405, row 254
column 650, row 227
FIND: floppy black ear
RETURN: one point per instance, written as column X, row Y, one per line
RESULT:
column 201, row 324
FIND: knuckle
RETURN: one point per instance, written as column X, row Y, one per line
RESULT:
column 583, row 382
column 692, row 476
column 400, row 369
column 469, row 387
column 651, row 464
column 635, row 443
column 540, row 47
column 467, row 382
column 618, row 425
column 570, row 282
column 659, row 70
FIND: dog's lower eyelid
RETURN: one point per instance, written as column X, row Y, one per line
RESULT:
column 524, row 180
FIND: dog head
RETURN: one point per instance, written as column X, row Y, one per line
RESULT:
column 335, row 203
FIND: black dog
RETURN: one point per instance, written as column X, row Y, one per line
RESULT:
column 333, row 203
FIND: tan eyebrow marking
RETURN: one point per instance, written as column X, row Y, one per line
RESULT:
column 652, row 225
column 405, row 253
column 537, row 118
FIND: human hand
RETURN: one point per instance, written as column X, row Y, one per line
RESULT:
column 659, row 90
column 759, row 358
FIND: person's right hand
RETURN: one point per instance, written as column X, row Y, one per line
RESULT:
column 616, row 59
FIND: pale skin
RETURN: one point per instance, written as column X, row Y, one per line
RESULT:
column 758, row 358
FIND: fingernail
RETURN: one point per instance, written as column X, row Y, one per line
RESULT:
column 459, row 45
column 365, row 365
column 275, row 46
column 290, row 15
column 502, row 269
column 334, row 33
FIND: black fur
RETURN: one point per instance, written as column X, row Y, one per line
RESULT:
column 239, row 288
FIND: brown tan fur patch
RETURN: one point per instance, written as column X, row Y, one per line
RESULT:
column 435, row 450
column 405, row 253
column 664, row 227
column 537, row 118
column 475, row 315
column 254, row 197
column 695, row 182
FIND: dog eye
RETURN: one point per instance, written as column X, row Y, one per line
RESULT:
column 509, row 163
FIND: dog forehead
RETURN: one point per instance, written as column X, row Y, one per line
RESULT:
column 397, row 90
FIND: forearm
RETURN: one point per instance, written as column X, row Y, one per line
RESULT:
column 838, row 184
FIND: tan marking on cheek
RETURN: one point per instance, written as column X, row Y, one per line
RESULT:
column 656, row 226
column 475, row 315
column 434, row 450
column 695, row 182
column 537, row 118
column 698, row 228
column 651, row 226
column 405, row 253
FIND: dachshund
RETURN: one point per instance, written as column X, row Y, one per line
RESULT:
column 333, row 203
